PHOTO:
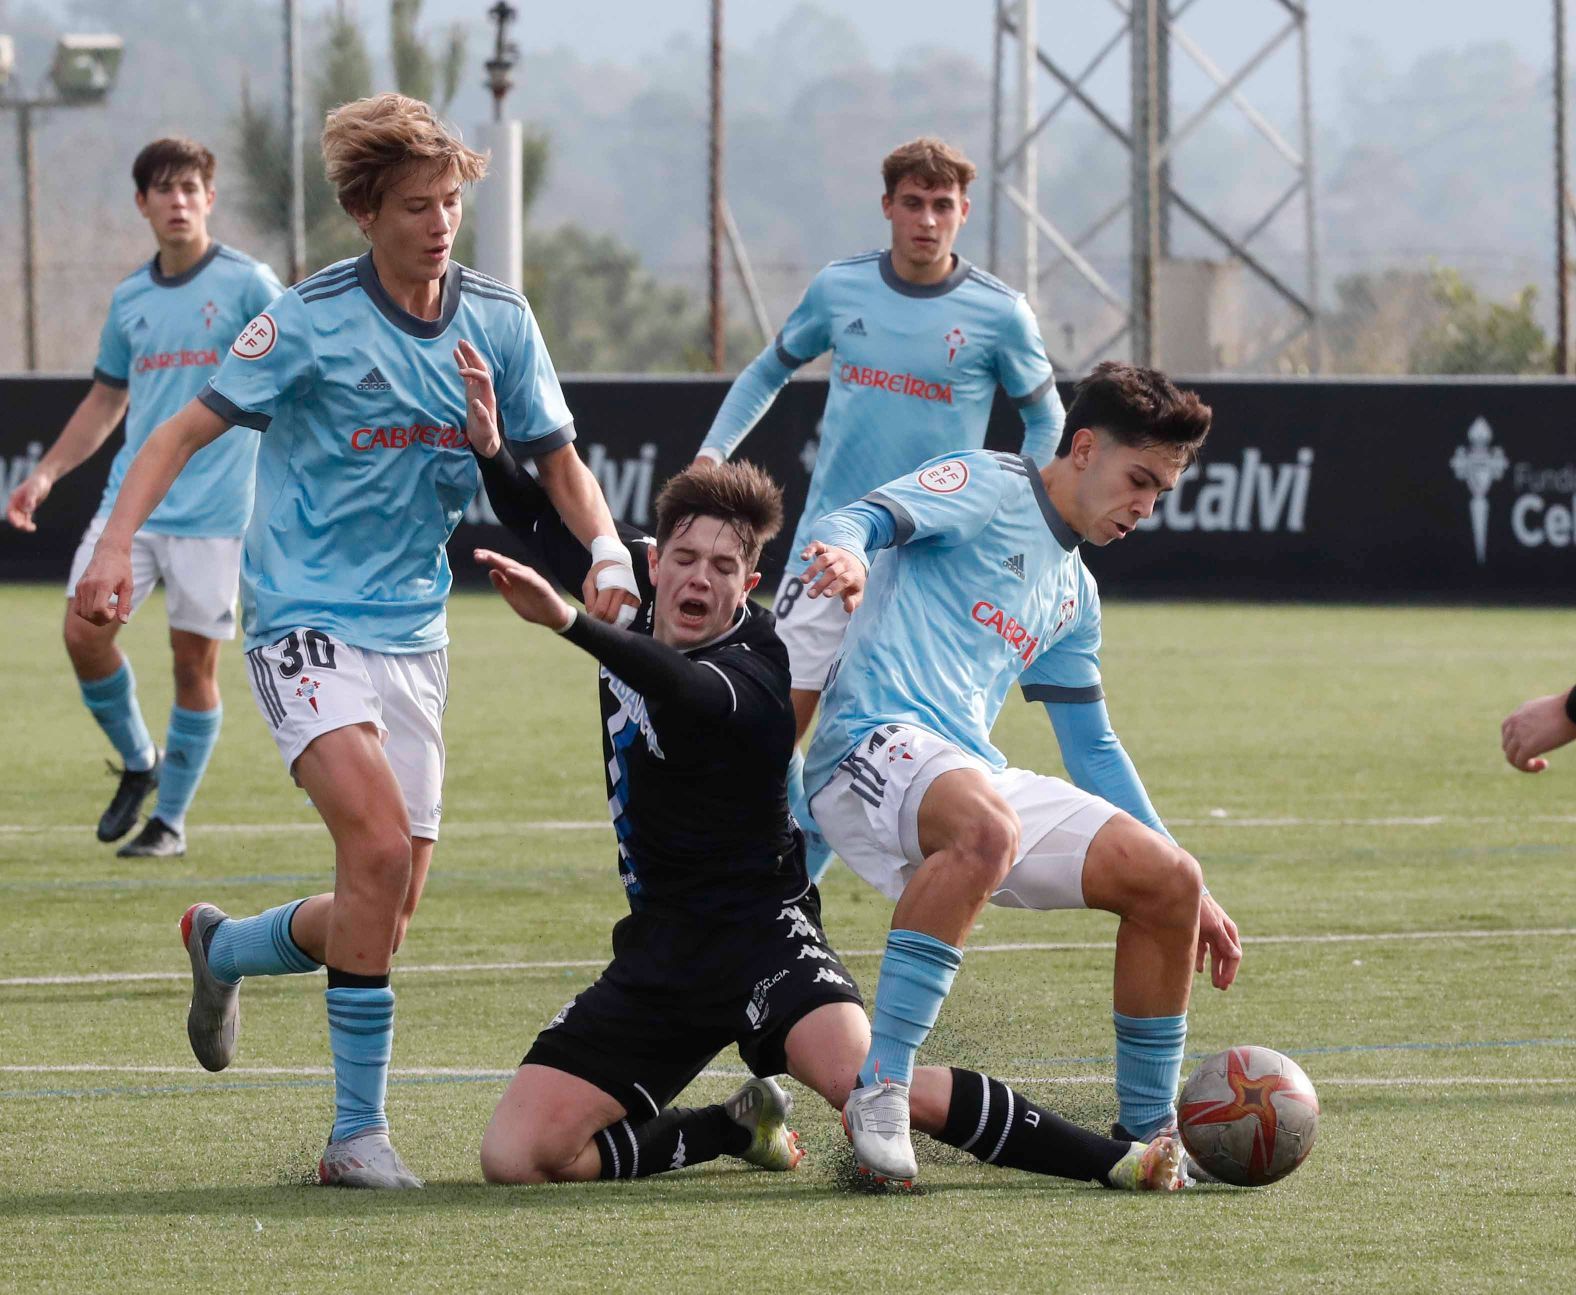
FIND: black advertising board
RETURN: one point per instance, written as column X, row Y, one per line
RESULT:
column 1461, row 490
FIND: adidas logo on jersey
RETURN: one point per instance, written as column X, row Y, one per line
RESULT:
column 1015, row 565
column 856, row 329
column 374, row 381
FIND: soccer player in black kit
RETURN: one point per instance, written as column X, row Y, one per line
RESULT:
column 723, row 943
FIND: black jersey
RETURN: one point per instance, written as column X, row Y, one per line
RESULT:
column 696, row 743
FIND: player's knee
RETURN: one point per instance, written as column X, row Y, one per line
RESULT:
column 379, row 867
column 511, row 1160
column 86, row 644
column 989, row 847
column 1173, row 885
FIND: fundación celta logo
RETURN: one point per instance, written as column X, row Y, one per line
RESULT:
column 1478, row 465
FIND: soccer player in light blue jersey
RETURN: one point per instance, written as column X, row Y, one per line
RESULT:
column 362, row 379
column 169, row 322
column 920, row 341
column 980, row 585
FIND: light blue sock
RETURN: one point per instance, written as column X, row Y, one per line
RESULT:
column 916, row 977
column 257, row 946
column 361, row 1036
column 113, row 703
column 191, row 740
column 817, row 853
column 1148, row 1066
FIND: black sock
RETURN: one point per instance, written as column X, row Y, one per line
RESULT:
column 338, row 979
column 988, row 1120
column 678, row 1137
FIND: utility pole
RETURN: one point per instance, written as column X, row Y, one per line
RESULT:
column 297, row 251
column 24, row 126
column 714, row 220
column 1562, row 282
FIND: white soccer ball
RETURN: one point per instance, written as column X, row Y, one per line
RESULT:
column 1248, row 1116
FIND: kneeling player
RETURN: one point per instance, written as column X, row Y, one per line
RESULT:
column 724, row 942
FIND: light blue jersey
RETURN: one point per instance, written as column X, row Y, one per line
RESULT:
column 365, row 469
column 984, row 587
column 915, row 369
column 163, row 339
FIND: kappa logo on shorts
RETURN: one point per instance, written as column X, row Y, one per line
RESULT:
column 814, row 951
column 828, row 976
column 563, row 1011
column 802, row 925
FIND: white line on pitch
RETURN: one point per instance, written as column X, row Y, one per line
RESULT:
column 484, row 827
column 1067, row 946
column 471, row 1072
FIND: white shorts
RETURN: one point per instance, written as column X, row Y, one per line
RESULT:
column 812, row 629
column 869, row 814
column 201, row 574
column 309, row 683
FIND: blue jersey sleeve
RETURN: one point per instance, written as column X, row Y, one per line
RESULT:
column 1025, row 374
column 949, row 500
column 267, row 363
column 113, row 366
column 808, row 330
column 1069, row 669
column 262, row 289
column 531, row 404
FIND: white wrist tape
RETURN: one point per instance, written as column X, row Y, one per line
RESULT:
column 621, row 575
column 573, row 616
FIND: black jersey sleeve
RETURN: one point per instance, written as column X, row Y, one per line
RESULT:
column 523, row 506
column 664, row 676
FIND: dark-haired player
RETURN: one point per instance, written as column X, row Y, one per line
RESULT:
column 984, row 586
column 170, row 321
column 723, row 943
column 920, row 342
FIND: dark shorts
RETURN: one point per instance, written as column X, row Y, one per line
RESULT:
column 678, row 992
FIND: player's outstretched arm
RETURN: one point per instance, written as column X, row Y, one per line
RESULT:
column 1537, row 727
column 661, row 674
column 839, row 552
column 609, row 590
column 747, row 401
column 88, row 428
column 148, row 480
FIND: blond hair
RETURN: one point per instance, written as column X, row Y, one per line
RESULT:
column 932, row 163
column 368, row 143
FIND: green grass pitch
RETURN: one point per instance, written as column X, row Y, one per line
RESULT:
column 1409, row 902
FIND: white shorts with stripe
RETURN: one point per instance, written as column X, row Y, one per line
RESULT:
column 201, row 575
column 812, row 630
column 869, row 813
column 309, row 683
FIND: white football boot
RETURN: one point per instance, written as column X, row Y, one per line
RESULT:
column 365, row 1160
column 762, row 1107
column 875, row 1118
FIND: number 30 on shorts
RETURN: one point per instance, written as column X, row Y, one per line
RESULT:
column 319, row 652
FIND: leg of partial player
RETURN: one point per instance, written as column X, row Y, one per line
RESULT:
column 109, row 691
column 817, row 853
column 551, row 1126
column 195, row 719
column 969, row 837
column 978, row 1114
column 1154, row 887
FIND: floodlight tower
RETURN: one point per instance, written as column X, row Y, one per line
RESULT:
column 82, row 73
column 1150, row 29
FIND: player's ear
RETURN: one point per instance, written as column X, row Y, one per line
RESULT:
column 886, row 205
column 651, row 563
column 1083, row 447
column 142, row 204
column 750, row 582
column 963, row 209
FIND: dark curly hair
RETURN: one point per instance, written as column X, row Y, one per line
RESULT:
column 1139, row 407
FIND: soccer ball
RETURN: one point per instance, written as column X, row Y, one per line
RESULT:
column 1248, row 1116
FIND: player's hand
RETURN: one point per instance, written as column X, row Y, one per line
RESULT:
column 609, row 594
column 103, row 594
column 1217, row 936
column 481, row 402
column 25, row 500
column 532, row 598
column 1534, row 727
column 834, row 573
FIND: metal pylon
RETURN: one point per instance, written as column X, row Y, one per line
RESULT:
column 1158, row 191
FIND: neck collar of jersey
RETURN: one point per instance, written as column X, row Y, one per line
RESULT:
column 895, row 281
column 1065, row 535
column 185, row 276
column 402, row 319
column 732, row 629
